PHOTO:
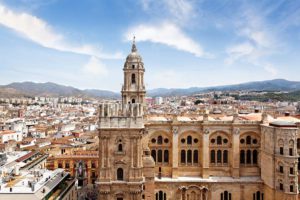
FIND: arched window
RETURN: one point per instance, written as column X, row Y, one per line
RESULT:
column 189, row 139
column 258, row 195
column 153, row 154
column 242, row 157
column 248, row 139
column 120, row 175
column 159, row 155
column 255, row 156
column 219, row 156
column 120, row 147
column 132, row 100
column 166, row 156
column 182, row 155
column 196, row 156
column 219, row 140
column 248, row 156
column 298, row 143
column 159, row 140
column 225, row 156
column 212, row 156
column 160, row 195
column 133, row 79
column 189, row 156
column 225, row 195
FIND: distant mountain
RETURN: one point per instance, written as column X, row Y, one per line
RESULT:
column 101, row 93
column 50, row 89
column 53, row 89
column 269, row 85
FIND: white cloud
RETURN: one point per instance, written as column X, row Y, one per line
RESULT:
column 181, row 9
column 167, row 34
column 95, row 67
column 178, row 11
column 43, row 34
column 238, row 51
column 258, row 42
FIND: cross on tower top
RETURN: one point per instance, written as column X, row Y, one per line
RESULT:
column 133, row 48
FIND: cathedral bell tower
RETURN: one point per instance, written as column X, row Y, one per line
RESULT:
column 133, row 89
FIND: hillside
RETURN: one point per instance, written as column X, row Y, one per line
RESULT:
column 53, row 89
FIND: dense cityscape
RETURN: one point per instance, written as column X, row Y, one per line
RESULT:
column 149, row 100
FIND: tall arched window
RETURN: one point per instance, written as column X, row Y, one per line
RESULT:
column 189, row 139
column 159, row 140
column 182, row 155
column 120, row 147
column 258, row 196
column 120, row 175
column 226, row 195
column 242, row 157
column 225, row 156
column 189, row 156
column 248, row 156
column 212, row 156
column 166, row 156
column 219, row 156
column 254, row 156
column 153, row 154
column 219, row 140
column 196, row 156
column 248, row 139
column 133, row 79
column 159, row 155
column 160, row 195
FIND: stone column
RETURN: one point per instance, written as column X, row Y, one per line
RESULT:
column 205, row 153
column 131, row 149
column 102, row 153
column 175, row 152
column 235, row 154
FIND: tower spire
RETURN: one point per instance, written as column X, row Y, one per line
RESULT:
column 133, row 48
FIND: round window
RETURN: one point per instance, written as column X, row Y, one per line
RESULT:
column 213, row 141
column 242, row 141
column 254, row 141
column 225, row 141
column 166, row 140
column 153, row 140
column 196, row 141
column 182, row 140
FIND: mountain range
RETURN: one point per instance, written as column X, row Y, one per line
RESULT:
column 18, row 89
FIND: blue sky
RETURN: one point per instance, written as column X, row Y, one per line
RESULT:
column 184, row 43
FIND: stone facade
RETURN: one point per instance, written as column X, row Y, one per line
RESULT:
column 192, row 157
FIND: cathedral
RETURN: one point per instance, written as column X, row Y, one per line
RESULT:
column 201, row 157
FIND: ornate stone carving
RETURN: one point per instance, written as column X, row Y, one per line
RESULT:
column 206, row 131
column 236, row 131
column 175, row 130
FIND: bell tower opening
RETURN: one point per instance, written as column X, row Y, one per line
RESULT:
column 132, row 78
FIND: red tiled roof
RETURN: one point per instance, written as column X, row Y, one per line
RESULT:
column 26, row 156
